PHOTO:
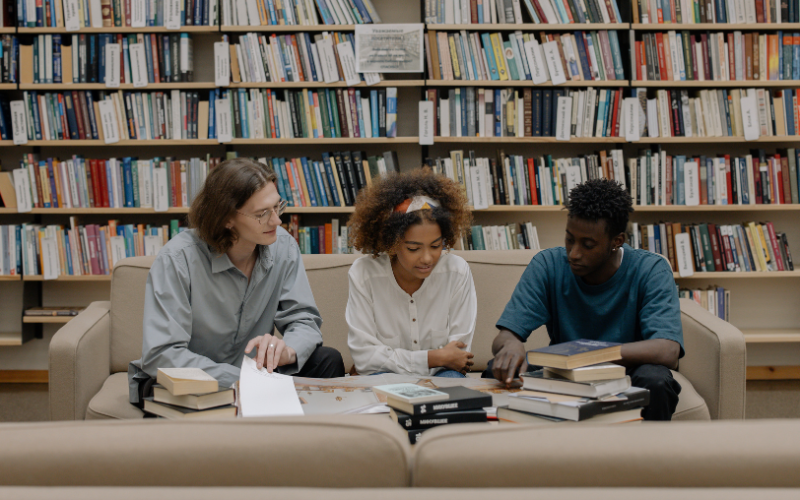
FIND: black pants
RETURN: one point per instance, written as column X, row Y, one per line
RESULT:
column 324, row 362
column 657, row 379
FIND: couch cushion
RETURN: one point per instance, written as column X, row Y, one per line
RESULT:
column 345, row 451
column 128, row 282
column 718, row 453
column 113, row 400
column 690, row 405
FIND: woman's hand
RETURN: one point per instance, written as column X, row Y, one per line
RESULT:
column 451, row 356
column 272, row 352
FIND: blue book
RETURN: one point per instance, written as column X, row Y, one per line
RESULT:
column 212, row 113
column 315, row 74
column 362, row 11
column 360, row 114
column 314, row 239
column 582, row 56
column 287, row 185
column 68, row 252
column 279, row 181
column 326, row 160
column 52, row 178
column 657, row 238
column 37, row 124
column 125, row 60
column 461, row 100
column 680, row 162
column 321, row 184
column 309, row 183
column 616, row 55
column 795, row 55
column 487, row 48
column 562, row 12
column 498, row 122
column 574, row 354
column 56, row 57
column 242, row 95
column 101, row 73
column 789, row 113
column 167, row 76
column 109, row 184
column 726, row 103
column 780, row 55
column 18, row 238
column 745, row 187
column 198, row 14
column 127, row 173
column 373, row 104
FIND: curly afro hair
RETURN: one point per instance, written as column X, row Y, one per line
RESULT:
column 604, row 199
column 374, row 227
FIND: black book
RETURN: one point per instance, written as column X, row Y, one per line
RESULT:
column 358, row 166
column 536, row 112
column 786, row 252
column 547, row 113
column 352, row 177
column 381, row 113
column 175, row 58
column 347, row 188
column 578, row 409
column 407, row 421
column 495, row 182
column 237, row 124
column 461, row 398
column 298, row 132
column 554, row 111
column 195, row 105
column 392, row 165
column 501, row 177
column 414, row 435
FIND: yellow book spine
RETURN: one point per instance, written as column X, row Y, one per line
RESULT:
column 454, row 57
column 307, row 110
column 763, row 241
column 500, row 59
column 755, row 245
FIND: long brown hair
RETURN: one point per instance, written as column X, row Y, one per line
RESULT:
column 227, row 188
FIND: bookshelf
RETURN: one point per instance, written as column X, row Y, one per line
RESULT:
column 47, row 320
column 115, row 30
column 525, row 27
column 716, row 27
column 717, row 84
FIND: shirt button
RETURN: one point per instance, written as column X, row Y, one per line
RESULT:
column 415, row 341
column 412, row 301
column 414, row 319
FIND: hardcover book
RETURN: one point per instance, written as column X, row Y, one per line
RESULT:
column 461, row 398
column 575, row 354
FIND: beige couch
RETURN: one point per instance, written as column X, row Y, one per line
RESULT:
column 89, row 356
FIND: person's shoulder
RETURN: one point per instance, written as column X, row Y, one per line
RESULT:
column 451, row 263
column 550, row 256
column 647, row 263
column 185, row 241
column 368, row 266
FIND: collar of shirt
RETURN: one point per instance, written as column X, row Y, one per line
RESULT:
column 221, row 262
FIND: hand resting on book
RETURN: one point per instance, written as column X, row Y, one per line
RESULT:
column 272, row 352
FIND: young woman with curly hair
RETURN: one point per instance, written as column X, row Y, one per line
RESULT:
column 412, row 306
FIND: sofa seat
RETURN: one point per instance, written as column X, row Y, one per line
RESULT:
column 113, row 401
column 691, row 406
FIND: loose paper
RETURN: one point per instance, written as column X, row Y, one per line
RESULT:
column 223, row 120
column 371, row 78
column 683, row 253
column 652, row 117
column 553, row 59
column 50, row 258
column 117, row 249
column 22, row 187
column 426, row 126
column 138, row 65
column 71, row 15
column 222, row 64
column 172, row 14
column 112, row 65
column 108, row 117
column 152, row 244
column 690, row 181
column 160, row 188
column 630, row 112
column 138, row 13
column 348, row 60
column 391, row 48
column 19, row 122
column 539, row 71
column 564, row 118
column 752, row 127
column 263, row 394
column 330, row 69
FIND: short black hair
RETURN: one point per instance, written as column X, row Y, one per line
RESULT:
column 604, row 199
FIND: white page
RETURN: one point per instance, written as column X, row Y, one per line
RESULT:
column 112, row 65
column 71, row 15
column 222, row 64
column 19, row 122
column 573, row 176
column 539, row 71
column 564, row 118
column 631, row 108
column 22, row 187
column 426, row 123
column 683, row 254
column 752, row 127
column 108, row 121
column 652, row 117
column 50, row 258
column 172, row 14
column 690, row 181
column 152, row 244
column 138, row 65
column 138, row 14
column 252, row 13
column 348, row 60
column 478, row 181
column 96, row 13
column 553, row 59
column 263, row 394
column 117, row 249
column 160, row 198
column 223, row 120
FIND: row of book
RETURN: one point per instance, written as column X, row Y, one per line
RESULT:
column 746, row 247
column 658, row 178
column 267, row 113
column 76, row 14
column 297, row 12
column 714, row 11
column 189, row 393
column 511, row 12
column 301, row 57
column 730, row 56
column 9, row 59
column 502, row 237
column 715, row 299
column 721, row 113
column 329, row 238
column 77, row 250
column 527, row 112
column 578, row 56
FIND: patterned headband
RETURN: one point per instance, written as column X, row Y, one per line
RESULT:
column 416, row 203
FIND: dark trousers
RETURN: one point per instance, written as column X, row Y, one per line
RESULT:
column 324, row 362
column 657, row 379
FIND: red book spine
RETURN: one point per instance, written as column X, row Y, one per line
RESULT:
column 773, row 241
column 712, row 233
column 175, row 174
column 154, row 44
column 532, row 175
column 726, row 246
column 127, row 13
column 706, row 62
column 729, row 180
column 354, row 113
column 617, row 106
column 101, row 166
column 96, row 188
column 662, row 66
column 669, row 180
column 786, row 192
column 76, row 104
column 757, row 181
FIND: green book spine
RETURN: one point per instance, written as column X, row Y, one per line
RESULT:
column 267, row 123
column 173, row 228
column 323, row 108
column 705, row 238
column 793, row 175
column 135, row 177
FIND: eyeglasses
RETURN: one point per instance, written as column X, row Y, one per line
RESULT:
column 266, row 215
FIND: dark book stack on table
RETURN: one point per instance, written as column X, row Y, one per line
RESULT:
column 189, row 393
column 416, row 408
column 578, row 383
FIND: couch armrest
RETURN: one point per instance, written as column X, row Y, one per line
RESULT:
column 80, row 361
column 715, row 360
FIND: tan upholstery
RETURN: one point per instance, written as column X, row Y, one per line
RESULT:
column 127, row 289
column 112, row 401
column 250, row 493
column 332, row 451
column 652, row 454
column 691, row 406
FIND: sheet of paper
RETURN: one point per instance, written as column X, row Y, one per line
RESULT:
column 71, row 15
column 652, row 117
column 117, row 249
column 690, row 174
column 683, row 253
column 50, row 258
column 108, row 119
column 19, row 122
column 553, row 59
column 223, row 120
column 152, row 245
column 138, row 65
column 112, row 65
column 564, row 118
column 752, row 127
column 426, row 117
column 172, row 14
column 348, row 60
column 222, row 64
column 95, row 13
column 22, row 188
column 631, row 108
column 573, row 176
column 538, row 66
column 265, row 394
column 479, row 188
column 138, row 13
column 160, row 188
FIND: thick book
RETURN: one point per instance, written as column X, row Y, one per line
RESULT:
column 575, row 354
column 407, row 421
column 194, row 401
column 601, row 371
column 576, row 408
column 545, row 381
column 172, row 412
column 506, row 415
column 411, row 393
column 182, row 381
column 461, row 398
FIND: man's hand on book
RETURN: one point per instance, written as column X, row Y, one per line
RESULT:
column 451, row 356
column 272, row 352
column 509, row 359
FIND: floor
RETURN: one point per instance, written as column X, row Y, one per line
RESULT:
column 23, row 403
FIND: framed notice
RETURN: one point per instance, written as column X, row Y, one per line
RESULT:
column 389, row 48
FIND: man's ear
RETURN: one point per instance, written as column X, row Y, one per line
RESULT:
column 618, row 240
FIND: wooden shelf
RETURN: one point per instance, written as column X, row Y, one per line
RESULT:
column 718, row 208
column 327, row 140
column 544, row 140
column 773, row 373
column 154, row 142
column 150, row 211
column 8, row 86
column 716, row 84
column 524, row 83
column 47, row 319
column 4, row 277
column 288, row 28
column 123, row 86
column 308, row 85
column 7, row 30
column 24, row 376
column 527, row 27
column 715, row 27
column 741, row 275
column 118, row 29
column 86, row 277
column 10, row 338
column 773, row 336
column 715, row 140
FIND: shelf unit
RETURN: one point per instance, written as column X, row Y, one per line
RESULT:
column 117, row 29
column 741, row 275
column 527, row 27
column 716, row 84
column 45, row 320
column 524, row 83
column 715, row 27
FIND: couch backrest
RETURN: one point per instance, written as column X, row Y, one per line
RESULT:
column 128, row 282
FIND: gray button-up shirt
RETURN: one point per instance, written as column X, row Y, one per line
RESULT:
column 200, row 310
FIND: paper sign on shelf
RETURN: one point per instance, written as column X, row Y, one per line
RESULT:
column 152, row 244
column 50, row 258
column 117, row 249
column 108, row 119
column 539, row 71
column 112, row 65
column 160, row 190
column 690, row 175
column 630, row 112
column 172, row 14
column 348, row 60
column 564, row 118
column 72, row 21
column 22, row 188
column 222, row 64
column 19, row 122
column 138, row 64
column 752, row 127
column 138, row 13
column 553, row 59
column 223, row 120
column 426, row 125
column 683, row 254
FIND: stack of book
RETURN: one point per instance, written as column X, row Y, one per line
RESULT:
column 510, row 11
column 418, row 408
column 714, row 11
column 297, row 12
column 105, row 14
column 189, row 393
column 512, row 236
column 9, row 59
column 577, row 383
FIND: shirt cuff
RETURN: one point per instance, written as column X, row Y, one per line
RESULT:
column 514, row 328
column 420, row 360
column 303, row 347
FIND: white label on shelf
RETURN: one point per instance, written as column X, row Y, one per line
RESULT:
column 22, row 187
column 479, row 187
column 538, row 66
column 683, row 253
column 112, row 65
column 573, row 176
column 138, row 13
column 330, row 69
column 152, row 245
column 19, row 122
column 652, row 117
column 630, row 113
column 223, row 120
column 222, row 64
column 50, row 258
column 160, row 190
column 138, row 65
column 172, row 14
column 553, row 59
column 348, row 60
column 177, row 122
column 426, row 123
column 752, row 127
column 72, row 20
column 690, row 182
column 564, row 118
column 117, row 249
column 108, row 119
column 371, row 78
column 95, row 13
